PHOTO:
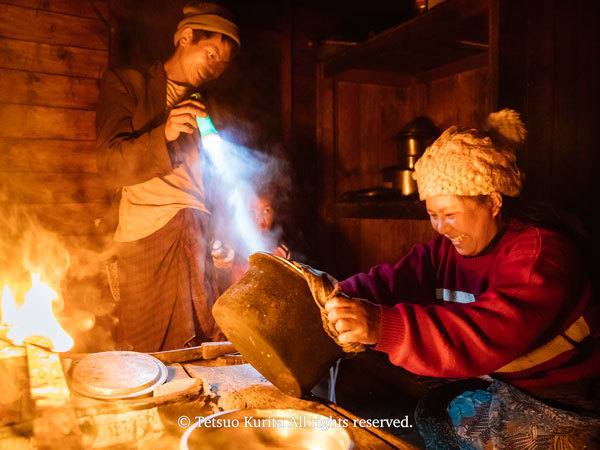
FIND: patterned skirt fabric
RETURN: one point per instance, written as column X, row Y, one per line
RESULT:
column 167, row 287
column 502, row 417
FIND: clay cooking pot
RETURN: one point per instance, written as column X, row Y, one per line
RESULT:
column 271, row 318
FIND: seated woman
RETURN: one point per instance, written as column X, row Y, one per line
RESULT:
column 493, row 294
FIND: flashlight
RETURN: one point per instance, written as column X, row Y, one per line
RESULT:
column 205, row 125
column 211, row 141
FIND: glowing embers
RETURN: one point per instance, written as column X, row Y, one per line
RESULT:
column 35, row 318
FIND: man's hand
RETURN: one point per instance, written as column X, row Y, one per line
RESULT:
column 356, row 319
column 182, row 118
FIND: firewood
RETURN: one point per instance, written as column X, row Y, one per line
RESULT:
column 15, row 405
column 54, row 418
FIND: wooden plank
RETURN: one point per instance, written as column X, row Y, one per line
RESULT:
column 540, row 104
column 287, row 63
column 46, row 155
column 67, row 218
column 326, row 186
column 54, row 415
column 22, row 121
column 437, row 99
column 371, row 243
column 325, row 138
column 54, row 59
column 401, row 209
column 445, row 106
column 472, row 109
column 52, row 28
column 51, row 188
column 75, row 8
column 376, row 77
column 587, row 156
column 456, row 67
column 347, row 241
column 17, row 86
column 512, row 48
column 370, row 136
column 568, row 114
column 493, row 54
column 393, row 116
column 347, row 170
column 348, row 137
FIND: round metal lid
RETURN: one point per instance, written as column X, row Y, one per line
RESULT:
column 113, row 375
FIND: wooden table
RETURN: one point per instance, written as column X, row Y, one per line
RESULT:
column 192, row 390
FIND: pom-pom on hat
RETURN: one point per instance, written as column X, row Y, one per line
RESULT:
column 470, row 162
column 207, row 16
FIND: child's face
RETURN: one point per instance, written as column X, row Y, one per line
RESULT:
column 263, row 213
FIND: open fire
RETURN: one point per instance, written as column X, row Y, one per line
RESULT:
column 34, row 320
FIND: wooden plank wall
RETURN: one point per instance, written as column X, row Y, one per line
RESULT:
column 52, row 54
column 356, row 125
column 549, row 67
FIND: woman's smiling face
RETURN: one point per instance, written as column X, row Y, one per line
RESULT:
column 469, row 222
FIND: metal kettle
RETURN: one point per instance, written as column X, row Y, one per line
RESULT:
column 414, row 138
column 411, row 142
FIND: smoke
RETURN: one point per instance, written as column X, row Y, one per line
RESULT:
column 25, row 246
column 243, row 175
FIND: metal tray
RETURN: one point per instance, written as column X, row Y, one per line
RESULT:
column 117, row 375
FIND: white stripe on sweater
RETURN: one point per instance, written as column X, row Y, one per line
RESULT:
column 454, row 296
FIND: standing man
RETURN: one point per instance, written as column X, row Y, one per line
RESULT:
column 148, row 145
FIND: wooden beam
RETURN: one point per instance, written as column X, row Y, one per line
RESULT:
column 67, row 218
column 47, row 155
column 376, row 77
column 52, row 188
column 52, row 59
column 22, row 121
column 88, row 9
column 52, row 28
column 31, row 88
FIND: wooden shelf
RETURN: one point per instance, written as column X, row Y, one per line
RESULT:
column 455, row 32
column 411, row 208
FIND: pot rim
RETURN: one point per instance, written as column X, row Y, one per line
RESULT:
column 282, row 260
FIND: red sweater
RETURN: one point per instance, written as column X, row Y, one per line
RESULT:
column 522, row 312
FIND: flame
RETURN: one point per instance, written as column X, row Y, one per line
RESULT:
column 35, row 317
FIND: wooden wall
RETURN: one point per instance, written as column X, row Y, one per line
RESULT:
column 356, row 125
column 52, row 54
column 549, row 67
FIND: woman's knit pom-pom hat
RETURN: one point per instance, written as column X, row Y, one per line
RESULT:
column 469, row 162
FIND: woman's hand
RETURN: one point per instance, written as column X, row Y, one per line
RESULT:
column 182, row 118
column 356, row 319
